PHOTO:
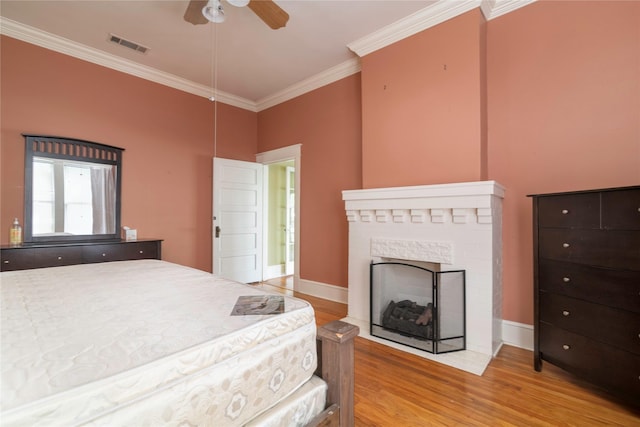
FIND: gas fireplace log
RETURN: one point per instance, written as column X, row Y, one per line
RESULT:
column 409, row 318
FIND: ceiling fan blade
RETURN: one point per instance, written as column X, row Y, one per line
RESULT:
column 193, row 14
column 270, row 13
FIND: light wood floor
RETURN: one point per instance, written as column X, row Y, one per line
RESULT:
column 394, row 388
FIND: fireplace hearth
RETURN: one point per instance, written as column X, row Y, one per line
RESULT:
column 418, row 307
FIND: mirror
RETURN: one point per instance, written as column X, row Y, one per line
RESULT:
column 72, row 190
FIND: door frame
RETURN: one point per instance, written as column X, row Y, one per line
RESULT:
column 291, row 152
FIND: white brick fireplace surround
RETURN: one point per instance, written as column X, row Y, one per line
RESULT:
column 456, row 226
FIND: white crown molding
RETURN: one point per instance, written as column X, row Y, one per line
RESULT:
column 429, row 17
column 331, row 75
column 50, row 41
column 419, row 21
column 426, row 18
column 494, row 8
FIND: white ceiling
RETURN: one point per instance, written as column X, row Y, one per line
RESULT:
column 247, row 62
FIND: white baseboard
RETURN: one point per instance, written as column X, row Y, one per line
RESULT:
column 517, row 334
column 273, row 271
column 322, row 290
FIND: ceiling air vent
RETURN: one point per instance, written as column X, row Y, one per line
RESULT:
column 127, row 43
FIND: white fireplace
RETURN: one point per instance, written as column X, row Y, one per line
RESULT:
column 455, row 226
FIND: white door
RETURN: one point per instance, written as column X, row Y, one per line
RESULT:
column 237, row 220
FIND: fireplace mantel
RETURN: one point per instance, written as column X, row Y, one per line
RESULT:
column 462, row 189
column 458, row 226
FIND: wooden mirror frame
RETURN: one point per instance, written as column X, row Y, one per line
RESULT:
column 68, row 149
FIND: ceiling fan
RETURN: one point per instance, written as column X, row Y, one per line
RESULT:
column 203, row 11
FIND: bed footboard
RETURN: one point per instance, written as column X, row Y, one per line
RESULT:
column 336, row 367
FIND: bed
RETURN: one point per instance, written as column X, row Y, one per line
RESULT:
column 148, row 342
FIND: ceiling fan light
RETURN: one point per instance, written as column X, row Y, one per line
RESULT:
column 238, row 3
column 213, row 11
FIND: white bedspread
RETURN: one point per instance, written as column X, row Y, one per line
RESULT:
column 144, row 343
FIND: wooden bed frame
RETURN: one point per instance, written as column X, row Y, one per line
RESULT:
column 336, row 366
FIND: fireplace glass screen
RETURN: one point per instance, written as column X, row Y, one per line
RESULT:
column 418, row 307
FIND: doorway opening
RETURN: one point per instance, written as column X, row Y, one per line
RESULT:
column 279, row 218
column 281, row 214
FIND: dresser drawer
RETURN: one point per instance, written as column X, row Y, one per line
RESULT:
column 572, row 210
column 614, row 288
column 604, row 248
column 38, row 257
column 621, row 209
column 103, row 253
column 142, row 250
column 609, row 367
column 16, row 259
column 121, row 251
column 598, row 322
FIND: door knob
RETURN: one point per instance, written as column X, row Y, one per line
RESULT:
column 217, row 231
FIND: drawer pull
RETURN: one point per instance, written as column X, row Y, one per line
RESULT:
column 565, row 245
column 565, row 313
column 565, row 211
column 141, row 252
column 59, row 258
column 6, row 261
column 566, row 346
column 104, row 254
column 566, row 279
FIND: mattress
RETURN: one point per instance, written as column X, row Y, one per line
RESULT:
column 144, row 343
column 297, row 409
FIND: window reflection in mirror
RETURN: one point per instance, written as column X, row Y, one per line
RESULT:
column 72, row 197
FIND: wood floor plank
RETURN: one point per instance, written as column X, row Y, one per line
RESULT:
column 394, row 388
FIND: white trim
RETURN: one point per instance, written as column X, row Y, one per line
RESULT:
column 457, row 189
column 272, row 271
column 322, row 290
column 329, row 76
column 517, row 334
column 65, row 46
column 279, row 154
column 494, row 8
column 430, row 16
column 419, row 21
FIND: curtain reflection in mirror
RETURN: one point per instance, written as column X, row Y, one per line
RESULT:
column 103, row 189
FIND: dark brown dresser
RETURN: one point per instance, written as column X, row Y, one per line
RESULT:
column 587, row 286
column 53, row 255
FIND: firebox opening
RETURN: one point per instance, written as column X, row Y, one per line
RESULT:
column 418, row 306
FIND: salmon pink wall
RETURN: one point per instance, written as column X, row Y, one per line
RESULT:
column 545, row 98
column 167, row 136
column 327, row 123
column 564, row 114
column 422, row 107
